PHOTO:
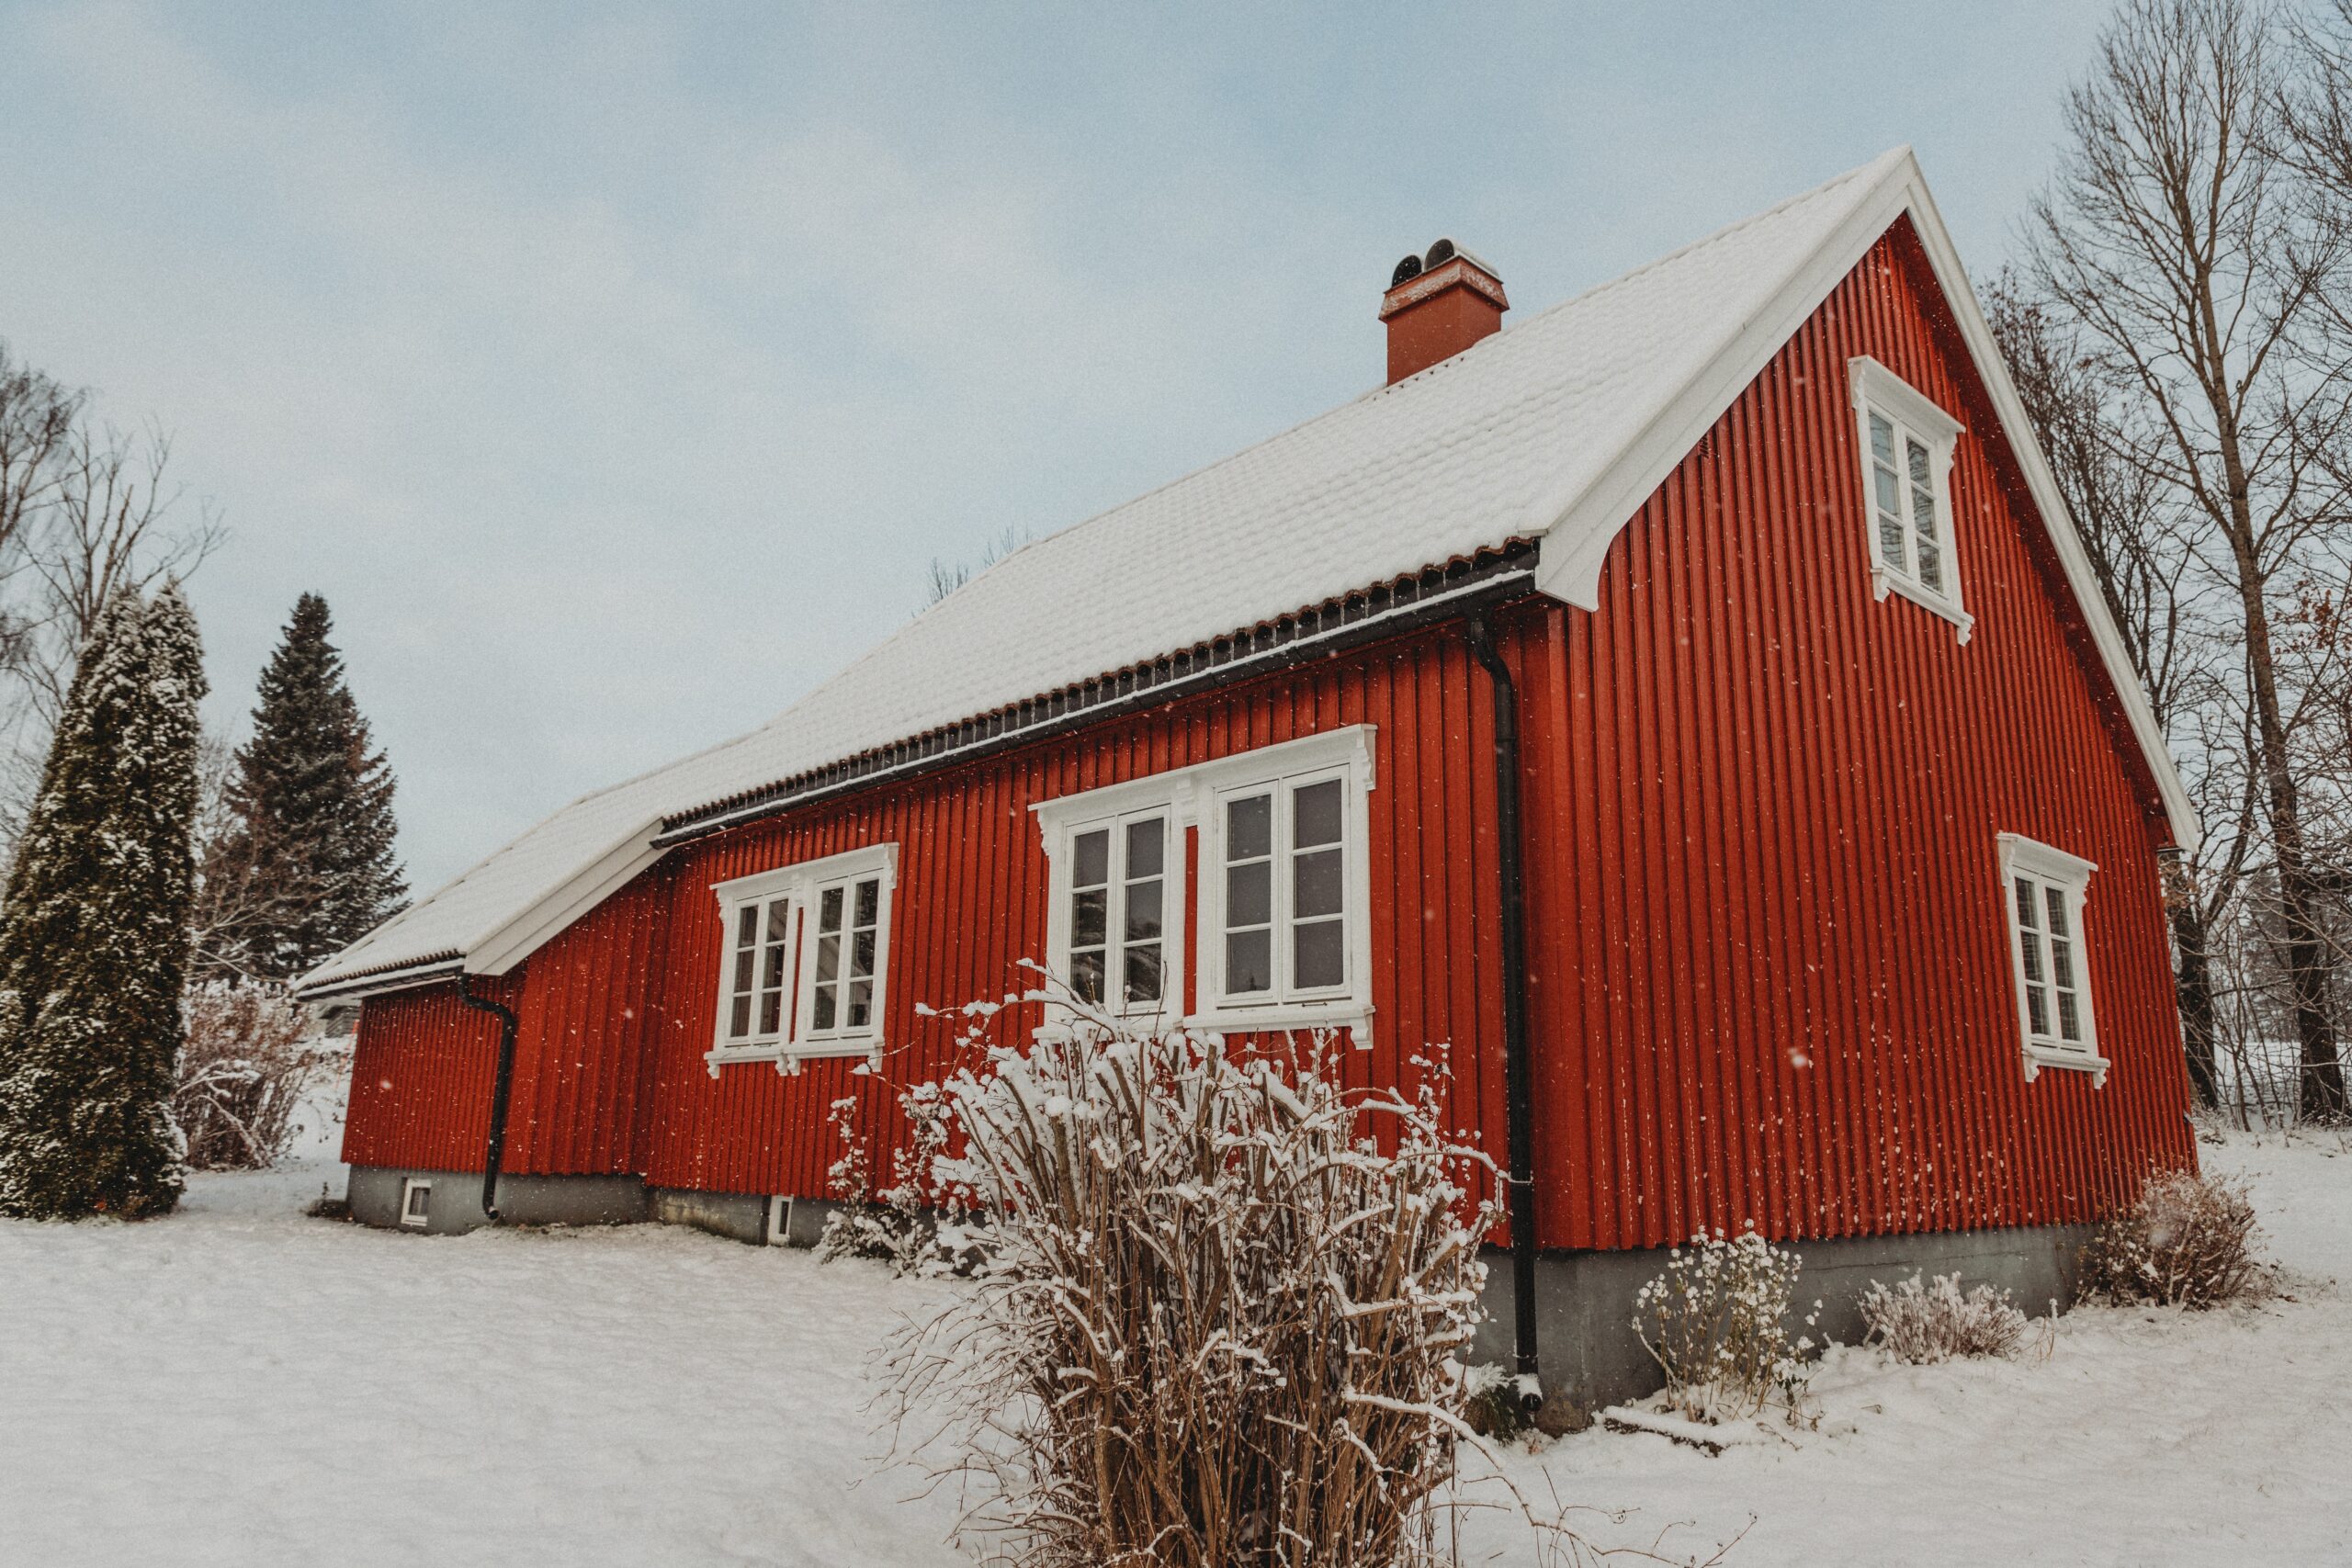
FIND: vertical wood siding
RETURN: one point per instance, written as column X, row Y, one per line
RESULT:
column 1770, row 977
column 423, row 1065
column 970, row 905
column 1772, row 898
column 583, row 1059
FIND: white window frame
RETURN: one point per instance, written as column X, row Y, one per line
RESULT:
column 2050, row 868
column 780, row 1221
column 1196, row 797
column 410, row 1186
column 1114, row 809
column 805, row 885
column 1877, row 389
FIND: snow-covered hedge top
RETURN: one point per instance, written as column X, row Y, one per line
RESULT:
column 1496, row 444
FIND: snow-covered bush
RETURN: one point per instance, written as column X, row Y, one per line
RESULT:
column 2188, row 1242
column 893, row 1225
column 242, row 1074
column 1716, row 1320
column 1927, row 1324
column 1218, row 1303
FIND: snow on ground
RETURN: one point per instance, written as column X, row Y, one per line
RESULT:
column 240, row 1384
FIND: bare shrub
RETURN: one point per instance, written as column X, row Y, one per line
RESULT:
column 892, row 1225
column 1716, row 1321
column 1217, row 1309
column 1929, row 1323
column 2188, row 1242
column 242, row 1074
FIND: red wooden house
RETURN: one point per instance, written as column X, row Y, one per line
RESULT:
column 1692, row 703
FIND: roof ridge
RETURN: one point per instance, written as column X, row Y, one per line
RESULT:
column 1027, row 546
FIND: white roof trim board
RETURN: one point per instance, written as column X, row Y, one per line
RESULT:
column 1553, row 430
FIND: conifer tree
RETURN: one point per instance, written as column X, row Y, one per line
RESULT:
column 94, row 939
column 313, row 849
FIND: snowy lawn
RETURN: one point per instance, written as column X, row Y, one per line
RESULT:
column 242, row 1385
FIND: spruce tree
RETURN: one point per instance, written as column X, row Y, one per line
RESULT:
column 93, row 940
column 314, row 837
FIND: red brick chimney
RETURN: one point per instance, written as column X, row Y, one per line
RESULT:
column 1437, row 306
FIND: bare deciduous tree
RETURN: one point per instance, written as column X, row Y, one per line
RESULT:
column 2082, row 407
column 2182, row 239
column 945, row 579
column 85, row 508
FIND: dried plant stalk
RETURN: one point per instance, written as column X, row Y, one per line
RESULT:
column 1217, row 1309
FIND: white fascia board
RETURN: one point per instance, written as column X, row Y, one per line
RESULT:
column 498, row 949
column 1589, row 521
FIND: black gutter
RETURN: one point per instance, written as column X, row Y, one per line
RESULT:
column 1470, row 596
column 1519, row 1187
column 494, row 1152
column 400, row 977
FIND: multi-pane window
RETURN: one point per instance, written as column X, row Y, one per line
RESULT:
column 1902, row 490
column 1235, row 888
column 1906, row 448
column 2044, row 890
column 2053, row 994
column 805, row 955
column 1286, row 915
column 756, row 978
column 1117, row 910
column 849, row 919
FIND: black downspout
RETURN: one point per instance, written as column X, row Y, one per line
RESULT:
column 494, row 1152
column 1518, row 1090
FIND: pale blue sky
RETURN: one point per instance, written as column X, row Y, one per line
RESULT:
column 616, row 372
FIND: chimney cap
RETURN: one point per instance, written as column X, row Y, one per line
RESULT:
column 1406, row 270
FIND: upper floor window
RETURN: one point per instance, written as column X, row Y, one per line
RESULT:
column 806, row 958
column 1906, row 445
column 2044, row 890
column 1285, row 935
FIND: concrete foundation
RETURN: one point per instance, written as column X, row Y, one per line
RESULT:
column 1584, row 1301
column 455, row 1206
column 742, row 1215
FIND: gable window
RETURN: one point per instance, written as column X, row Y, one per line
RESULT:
column 806, row 959
column 1906, row 444
column 1282, row 902
column 416, row 1203
column 2044, row 890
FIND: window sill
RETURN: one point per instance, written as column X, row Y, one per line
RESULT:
column 2040, row 1057
column 1352, row 1016
column 788, row 1059
column 1883, row 583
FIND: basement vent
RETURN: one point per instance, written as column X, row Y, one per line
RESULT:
column 416, row 1203
column 779, row 1222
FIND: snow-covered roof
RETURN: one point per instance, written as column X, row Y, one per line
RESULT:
column 1553, row 430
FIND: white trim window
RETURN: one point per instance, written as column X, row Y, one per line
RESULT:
column 1907, row 447
column 2044, row 890
column 416, row 1203
column 1115, row 913
column 806, row 959
column 1284, row 902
